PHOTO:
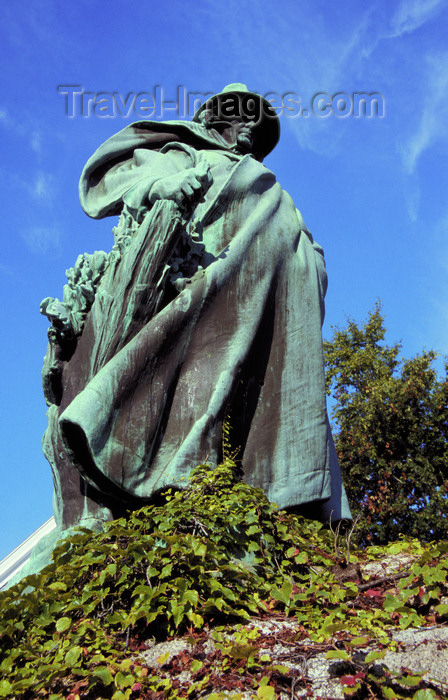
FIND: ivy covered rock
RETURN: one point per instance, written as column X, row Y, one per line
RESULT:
column 203, row 566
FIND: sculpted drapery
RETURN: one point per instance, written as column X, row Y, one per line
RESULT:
column 206, row 310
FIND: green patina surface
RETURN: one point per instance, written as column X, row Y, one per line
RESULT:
column 209, row 307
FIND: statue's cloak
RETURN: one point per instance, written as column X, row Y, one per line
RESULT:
column 146, row 394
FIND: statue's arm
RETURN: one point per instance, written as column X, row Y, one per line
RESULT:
column 175, row 173
column 182, row 187
column 103, row 189
column 181, row 178
column 319, row 260
column 317, row 248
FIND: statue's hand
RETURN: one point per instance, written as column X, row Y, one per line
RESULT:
column 183, row 187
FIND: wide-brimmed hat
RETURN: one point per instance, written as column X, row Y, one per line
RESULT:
column 237, row 101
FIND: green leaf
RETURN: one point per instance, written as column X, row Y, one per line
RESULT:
column 337, row 654
column 391, row 602
column 242, row 651
column 201, row 550
column 266, row 692
column 124, row 680
column 191, row 596
column 166, row 571
column 197, row 620
column 73, row 655
column 110, row 570
column 253, row 530
column 7, row 664
column 196, row 666
column 163, row 658
column 442, row 609
column 178, row 614
column 426, row 694
column 5, row 689
column 281, row 668
column 119, row 695
column 333, row 627
column 104, row 675
column 351, row 691
column 374, row 656
column 57, row 586
column 359, row 641
column 283, row 594
column 116, row 618
column 302, row 558
column 410, row 681
column 63, row 624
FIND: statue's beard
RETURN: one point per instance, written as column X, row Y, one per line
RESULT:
column 244, row 143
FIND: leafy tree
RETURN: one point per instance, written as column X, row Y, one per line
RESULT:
column 391, row 427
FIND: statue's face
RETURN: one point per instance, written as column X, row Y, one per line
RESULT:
column 235, row 130
column 243, row 132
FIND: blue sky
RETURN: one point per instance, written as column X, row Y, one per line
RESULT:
column 371, row 190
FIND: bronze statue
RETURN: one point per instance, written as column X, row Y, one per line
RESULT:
column 208, row 309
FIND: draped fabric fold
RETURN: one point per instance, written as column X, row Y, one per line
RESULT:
column 175, row 343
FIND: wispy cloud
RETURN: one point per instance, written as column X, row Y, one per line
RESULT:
column 23, row 130
column 4, row 270
column 370, row 48
column 433, row 119
column 412, row 196
column 412, row 14
column 378, row 26
column 41, row 187
column 41, row 239
column 36, row 142
column 5, row 119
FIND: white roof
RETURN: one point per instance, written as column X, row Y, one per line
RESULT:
column 11, row 564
